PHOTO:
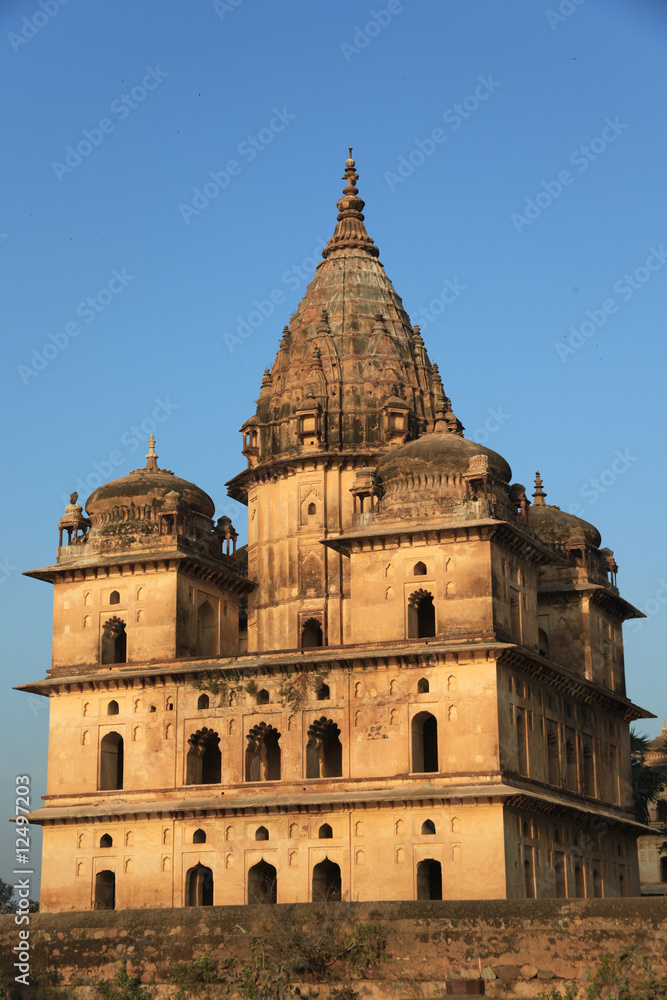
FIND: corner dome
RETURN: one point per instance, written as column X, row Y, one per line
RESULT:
column 147, row 487
column 556, row 527
column 439, row 453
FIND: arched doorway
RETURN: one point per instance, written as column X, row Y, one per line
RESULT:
column 105, row 890
column 424, row 743
column 311, row 634
column 324, row 751
column 421, row 615
column 326, row 881
column 262, row 883
column 199, row 886
column 111, row 762
column 114, row 641
column 207, row 630
column 263, row 754
column 429, row 879
column 204, row 760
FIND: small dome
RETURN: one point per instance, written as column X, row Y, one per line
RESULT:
column 435, row 452
column 149, row 487
column 556, row 527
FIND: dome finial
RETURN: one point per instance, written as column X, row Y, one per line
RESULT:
column 350, row 231
column 539, row 493
column 151, row 457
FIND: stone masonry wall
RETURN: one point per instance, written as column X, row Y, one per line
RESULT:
column 517, row 948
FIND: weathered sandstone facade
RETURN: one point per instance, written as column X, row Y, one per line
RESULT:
column 428, row 699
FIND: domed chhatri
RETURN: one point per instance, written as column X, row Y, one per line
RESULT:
column 145, row 490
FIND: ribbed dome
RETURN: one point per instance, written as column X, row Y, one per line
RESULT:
column 137, row 496
column 440, row 453
column 556, row 527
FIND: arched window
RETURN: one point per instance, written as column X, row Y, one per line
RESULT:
column 262, row 883
column 114, row 641
column 199, row 886
column 105, row 891
column 324, row 752
column 419, row 569
column 421, row 615
column 322, row 693
column 422, row 686
column 311, row 634
column 553, row 758
column 529, row 873
column 571, row 765
column 261, row 833
column 203, row 701
column 204, row 760
column 263, row 754
column 589, row 770
column 428, row 828
column 522, row 747
column 112, row 708
column 424, row 743
column 199, row 837
column 325, row 832
column 262, row 697
column 111, row 762
column 207, row 630
column 114, row 597
column 106, row 840
column 579, row 883
column 312, row 509
column 543, row 642
column 326, row 884
column 429, row 879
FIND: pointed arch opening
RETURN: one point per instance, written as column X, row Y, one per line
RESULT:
column 263, row 754
column 322, row 693
column 207, row 630
column 106, row 840
column 199, row 886
column 325, row 832
column 326, row 882
column 111, row 762
column 428, row 828
column 311, row 634
column 423, row 686
column 204, row 760
column 114, row 641
column 105, row 890
column 421, row 615
column 199, row 837
column 324, row 751
column 429, row 879
column 419, row 569
column 424, row 743
column 112, row 708
column 203, row 702
column 262, row 883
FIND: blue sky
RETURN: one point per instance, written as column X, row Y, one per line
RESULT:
column 174, row 171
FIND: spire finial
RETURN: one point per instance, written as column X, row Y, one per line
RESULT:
column 151, row 457
column 539, row 493
column 350, row 231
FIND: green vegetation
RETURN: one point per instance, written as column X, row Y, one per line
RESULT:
column 123, row 987
column 625, row 976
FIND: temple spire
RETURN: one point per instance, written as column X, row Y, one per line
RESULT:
column 350, row 232
column 539, row 493
column 151, row 457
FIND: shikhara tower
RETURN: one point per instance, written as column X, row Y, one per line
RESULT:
column 429, row 698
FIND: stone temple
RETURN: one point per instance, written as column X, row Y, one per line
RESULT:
column 409, row 684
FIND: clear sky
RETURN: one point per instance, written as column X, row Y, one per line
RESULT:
column 173, row 170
